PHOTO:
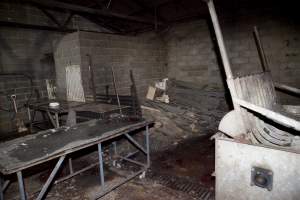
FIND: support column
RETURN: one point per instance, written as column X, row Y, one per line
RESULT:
column 101, row 166
column 21, row 186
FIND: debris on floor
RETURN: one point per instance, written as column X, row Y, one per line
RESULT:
column 190, row 112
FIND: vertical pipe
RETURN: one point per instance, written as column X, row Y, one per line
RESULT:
column 101, row 166
column 56, row 120
column 51, row 177
column 115, row 88
column 29, row 118
column 21, row 186
column 220, row 39
column 71, row 166
column 1, row 188
column 223, row 52
column 147, row 146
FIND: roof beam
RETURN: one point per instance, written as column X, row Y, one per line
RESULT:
column 82, row 9
column 150, row 10
column 43, row 28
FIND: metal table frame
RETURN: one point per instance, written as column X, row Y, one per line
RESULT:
column 145, row 149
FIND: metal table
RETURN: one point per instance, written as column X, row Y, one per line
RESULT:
column 25, row 152
column 65, row 106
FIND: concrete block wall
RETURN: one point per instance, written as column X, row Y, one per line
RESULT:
column 190, row 54
column 144, row 55
column 66, row 53
column 28, row 51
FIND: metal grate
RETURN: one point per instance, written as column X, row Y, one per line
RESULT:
column 185, row 185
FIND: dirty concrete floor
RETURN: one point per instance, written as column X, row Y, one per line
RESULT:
column 191, row 160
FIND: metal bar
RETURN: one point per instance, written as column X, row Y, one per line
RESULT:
column 29, row 118
column 130, row 154
column 5, row 185
column 119, row 184
column 51, row 119
column 51, row 177
column 220, row 39
column 275, row 116
column 21, row 186
column 287, row 88
column 223, row 52
column 93, row 87
column 71, row 166
column 133, row 161
column 1, row 188
column 115, row 88
column 261, row 52
column 101, row 166
column 135, row 143
column 148, row 146
column 76, row 173
column 56, row 120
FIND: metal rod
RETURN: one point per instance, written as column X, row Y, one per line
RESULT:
column 71, row 166
column 21, row 186
column 130, row 154
column 148, row 146
column 101, row 166
column 224, row 56
column 287, row 88
column 119, row 184
column 220, row 39
column 133, row 161
column 51, row 120
column 56, row 120
column 76, row 173
column 51, row 177
column 260, row 49
column 92, row 76
column 136, row 144
column 275, row 116
column 1, row 188
column 115, row 88
column 5, row 185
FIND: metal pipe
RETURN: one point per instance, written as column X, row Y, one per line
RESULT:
column 76, row 173
column 261, row 52
column 91, row 70
column 115, row 88
column 101, row 166
column 120, row 183
column 132, row 161
column 275, row 116
column 51, row 177
column 287, row 88
column 21, row 186
column 148, row 146
column 135, row 143
column 220, row 39
column 5, row 185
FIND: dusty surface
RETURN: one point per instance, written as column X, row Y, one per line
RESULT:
column 192, row 159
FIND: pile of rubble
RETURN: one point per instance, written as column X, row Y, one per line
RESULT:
column 189, row 111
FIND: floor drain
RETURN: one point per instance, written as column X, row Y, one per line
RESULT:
column 184, row 185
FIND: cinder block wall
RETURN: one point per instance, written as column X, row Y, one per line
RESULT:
column 191, row 56
column 28, row 51
column 143, row 54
